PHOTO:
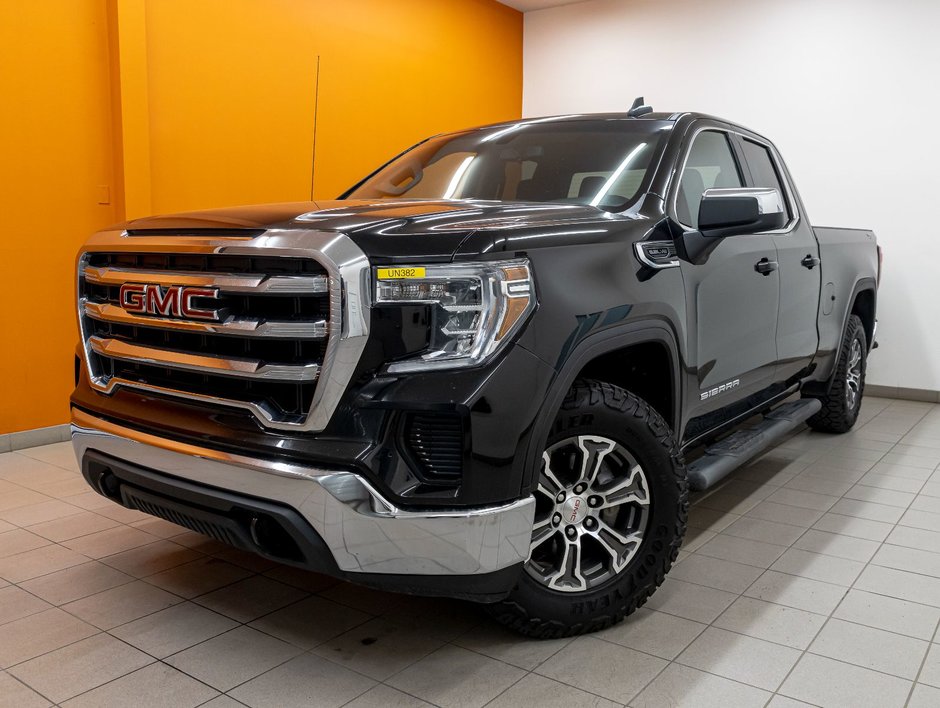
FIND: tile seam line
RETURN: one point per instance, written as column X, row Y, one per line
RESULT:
column 38, row 459
column 836, row 609
column 674, row 661
column 371, row 688
column 149, row 614
column 802, row 652
column 30, row 688
column 782, row 503
column 149, row 663
column 923, row 663
column 64, row 603
column 109, row 630
column 302, row 652
column 152, row 663
column 846, row 516
column 83, row 535
column 518, row 681
column 785, row 548
column 826, row 622
column 133, row 578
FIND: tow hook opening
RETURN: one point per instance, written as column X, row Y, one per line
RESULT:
column 109, row 485
column 103, row 480
column 271, row 538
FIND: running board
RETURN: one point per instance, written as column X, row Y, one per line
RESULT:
column 727, row 455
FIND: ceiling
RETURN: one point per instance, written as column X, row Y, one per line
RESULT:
column 526, row 5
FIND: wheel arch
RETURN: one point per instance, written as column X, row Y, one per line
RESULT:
column 863, row 303
column 601, row 356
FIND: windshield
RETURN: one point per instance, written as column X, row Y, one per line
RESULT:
column 602, row 163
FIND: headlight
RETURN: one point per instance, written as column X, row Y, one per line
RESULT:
column 475, row 308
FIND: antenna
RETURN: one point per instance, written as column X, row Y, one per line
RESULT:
column 639, row 108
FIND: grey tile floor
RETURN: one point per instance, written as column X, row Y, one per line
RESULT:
column 812, row 576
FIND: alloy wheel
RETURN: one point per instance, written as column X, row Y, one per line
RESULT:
column 853, row 375
column 592, row 510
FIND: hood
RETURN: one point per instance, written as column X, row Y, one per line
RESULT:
column 398, row 230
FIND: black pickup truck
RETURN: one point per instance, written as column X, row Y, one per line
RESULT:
column 493, row 369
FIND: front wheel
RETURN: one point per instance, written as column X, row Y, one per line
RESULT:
column 611, row 510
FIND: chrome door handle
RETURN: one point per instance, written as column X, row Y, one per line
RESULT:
column 765, row 266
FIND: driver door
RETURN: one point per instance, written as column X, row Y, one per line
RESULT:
column 732, row 329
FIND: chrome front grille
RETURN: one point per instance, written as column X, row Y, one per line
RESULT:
column 277, row 343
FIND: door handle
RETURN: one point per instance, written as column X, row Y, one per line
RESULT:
column 765, row 266
column 810, row 261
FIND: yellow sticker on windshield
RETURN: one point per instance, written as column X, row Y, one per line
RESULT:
column 400, row 273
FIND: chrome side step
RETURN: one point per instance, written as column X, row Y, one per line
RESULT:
column 725, row 456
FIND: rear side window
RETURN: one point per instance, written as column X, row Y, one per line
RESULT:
column 763, row 171
column 711, row 164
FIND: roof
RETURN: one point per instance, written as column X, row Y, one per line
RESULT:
column 660, row 116
column 574, row 117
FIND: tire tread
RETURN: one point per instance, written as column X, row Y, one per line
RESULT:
column 586, row 392
column 833, row 416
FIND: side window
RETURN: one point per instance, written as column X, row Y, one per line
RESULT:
column 711, row 164
column 763, row 170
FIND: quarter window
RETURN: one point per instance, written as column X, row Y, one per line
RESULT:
column 710, row 165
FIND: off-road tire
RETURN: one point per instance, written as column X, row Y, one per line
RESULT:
column 597, row 408
column 836, row 416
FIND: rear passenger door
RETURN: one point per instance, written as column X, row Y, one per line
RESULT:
column 732, row 307
column 798, row 262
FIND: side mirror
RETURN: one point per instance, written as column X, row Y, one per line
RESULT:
column 731, row 212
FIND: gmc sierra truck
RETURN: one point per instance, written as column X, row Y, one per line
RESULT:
column 493, row 369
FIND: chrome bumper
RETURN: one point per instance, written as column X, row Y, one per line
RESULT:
column 363, row 531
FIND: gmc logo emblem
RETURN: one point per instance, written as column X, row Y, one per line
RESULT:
column 574, row 510
column 170, row 301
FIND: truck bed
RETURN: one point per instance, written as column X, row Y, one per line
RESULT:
column 843, row 254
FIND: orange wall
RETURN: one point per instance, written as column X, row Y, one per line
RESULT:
column 416, row 68
column 232, row 90
column 56, row 155
column 184, row 104
column 235, row 90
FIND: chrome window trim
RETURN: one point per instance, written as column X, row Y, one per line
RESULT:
column 348, row 327
column 784, row 178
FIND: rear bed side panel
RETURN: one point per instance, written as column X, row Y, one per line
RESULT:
column 849, row 266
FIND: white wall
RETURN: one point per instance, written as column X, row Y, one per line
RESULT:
column 847, row 89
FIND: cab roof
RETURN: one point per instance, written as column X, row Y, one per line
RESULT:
column 660, row 116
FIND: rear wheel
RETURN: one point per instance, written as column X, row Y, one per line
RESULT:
column 841, row 405
column 611, row 509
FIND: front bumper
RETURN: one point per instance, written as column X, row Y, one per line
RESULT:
column 363, row 537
